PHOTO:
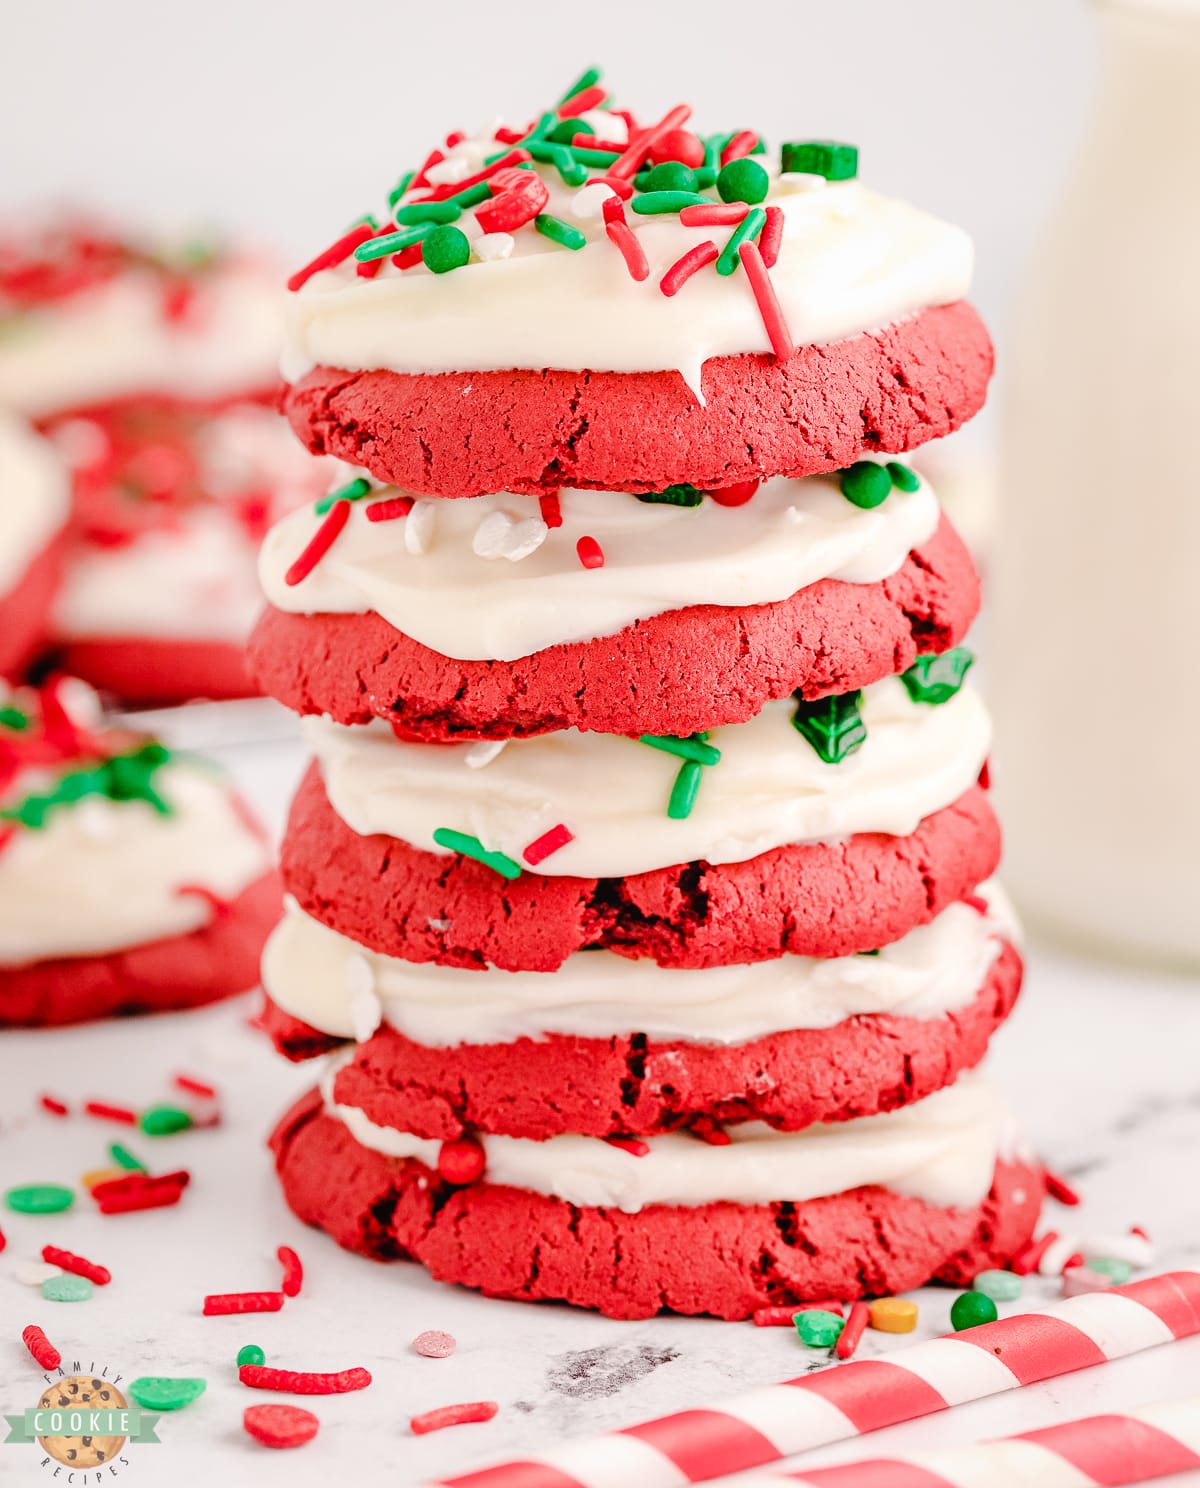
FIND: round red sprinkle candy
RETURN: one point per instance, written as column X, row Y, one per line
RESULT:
column 461, row 1161
column 736, row 495
column 434, row 1344
column 678, row 144
column 280, row 1425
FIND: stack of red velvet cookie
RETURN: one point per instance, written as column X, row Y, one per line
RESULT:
column 640, row 887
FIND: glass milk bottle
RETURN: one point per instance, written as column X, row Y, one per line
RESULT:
column 1096, row 643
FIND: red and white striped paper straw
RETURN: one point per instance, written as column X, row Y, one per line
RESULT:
column 863, row 1395
column 1130, row 1447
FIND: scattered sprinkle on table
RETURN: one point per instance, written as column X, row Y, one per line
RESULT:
column 40, row 1347
column 1119, row 1271
column 67, row 1261
column 164, row 1121
column 39, row 1198
column 250, row 1353
column 892, row 1315
column 304, row 1382
column 293, row 1271
column 66, row 1287
column 225, row 1304
column 280, row 1426
column 453, row 1415
column 158, row 1392
column 1000, row 1286
column 970, row 1310
column 434, row 1344
column 1077, row 1281
column 33, row 1273
column 818, row 1328
column 107, row 1111
column 851, row 1335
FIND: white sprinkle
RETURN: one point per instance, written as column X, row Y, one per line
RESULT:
column 1058, row 1254
column 418, row 527
column 493, row 246
column 33, row 1273
column 795, row 181
column 449, row 171
column 588, row 201
column 366, row 1011
column 607, row 126
column 483, row 753
column 500, row 535
column 438, row 925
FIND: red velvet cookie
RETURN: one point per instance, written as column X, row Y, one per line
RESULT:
column 677, row 673
column 215, row 961
column 25, row 609
column 147, row 672
column 467, row 433
column 725, row 1259
column 812, row 899
column 639, row 1086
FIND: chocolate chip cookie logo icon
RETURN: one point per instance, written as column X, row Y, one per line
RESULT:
column 82, row 1422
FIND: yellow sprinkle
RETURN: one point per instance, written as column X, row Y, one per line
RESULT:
column 892, row 1315
column 101, row 1175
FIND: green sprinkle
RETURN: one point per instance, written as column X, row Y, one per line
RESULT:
column 818, row 1328
column 13, row 718
column 541, row 129
column 935, row 679
column 743, row 180
column 353, row 490
column 659, row 203
column 687, row 749
column 903, row 478
column 832, row 725
column 749, row 227
column 559, row 231
column 390, row 243
column 566, row 130
column 829, row 158
column 589, row 79
column 678, row 495
column 125, row 1159
column 124, row 777
column 471, row 196
column 366, row 220
column 1000, row 1286
column 866, row 484
column 434, row 211
column 250, row 1353
column 867, row 953
column 39, row 1198
column 401, row 187
column 670, row 175
column 1119, row 1271
column 445, row 248
column 713, row 145
column 562, row 158
column 155, row 1392
column 683, row 792
column 706, row 176
column 67, row 1288
column 471, row 847
column 164, row 1121
column 971, row 1309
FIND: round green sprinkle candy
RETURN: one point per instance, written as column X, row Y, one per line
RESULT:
column 39, row 1198
column 670, row 175
column 164, row 1121
column 743, row 180
column 66, row 1288
column 1120, row 1271
column 445, row 248
column 250, row 1353
column 866, row 484
column 1000, row 1286
column 971, row 1309
column 818, row 1328
column 903, row 478
column 155, row 1392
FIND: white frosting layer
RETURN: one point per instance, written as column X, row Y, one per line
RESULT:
column 770, row 788
column 34, row 499
column 114, row 340
column 942, row 1149
column 322, row 977
column 850, row 261
column 656, row 558
column 102, row 875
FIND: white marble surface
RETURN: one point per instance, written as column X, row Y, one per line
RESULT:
column 1102, row 1061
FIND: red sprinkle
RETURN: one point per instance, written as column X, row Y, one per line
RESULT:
column 518, row 196
column 551, row 510
column 335, row 254
column 850, row 1335
column 625, row 240
column 101, row 1275
column 633, row 1145
column 280, row 1425
column 713, row 214
column 1028, row 1260
column 462, row 1161
column 453, row 1415
column 299, row 1382
column 320, row 543
column 737, row 494
column 985, row 775
column 1140, row 1233
column 683, row 268
column 741, row 144
column 1058, row 1188
column 589, row 98
column 452, row 188
column 783, row 1317
column 369, row 269
column 549, row 842
column 219, row 907
column 132, row 1182
column 643, row 140
column 768, row 303
column 222, row 1304
column 293, row 1271
column 390, row 509
column 624, row 189
column 194, row 1086
column 107, row 1112
column 434, row 1344
column 3, row 1240
column 1071, row 1262
column 771, row 236
column 144, row 1196
column 980, row 905
column 435, row 157
column 409, row 258
column 455, row 137
column 53, row 1105
column 40, row 1347
column 591, row 554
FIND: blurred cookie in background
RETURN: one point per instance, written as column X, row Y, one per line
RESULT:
column 34, row 507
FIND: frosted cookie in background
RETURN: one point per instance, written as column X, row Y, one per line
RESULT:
column 34, row 506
